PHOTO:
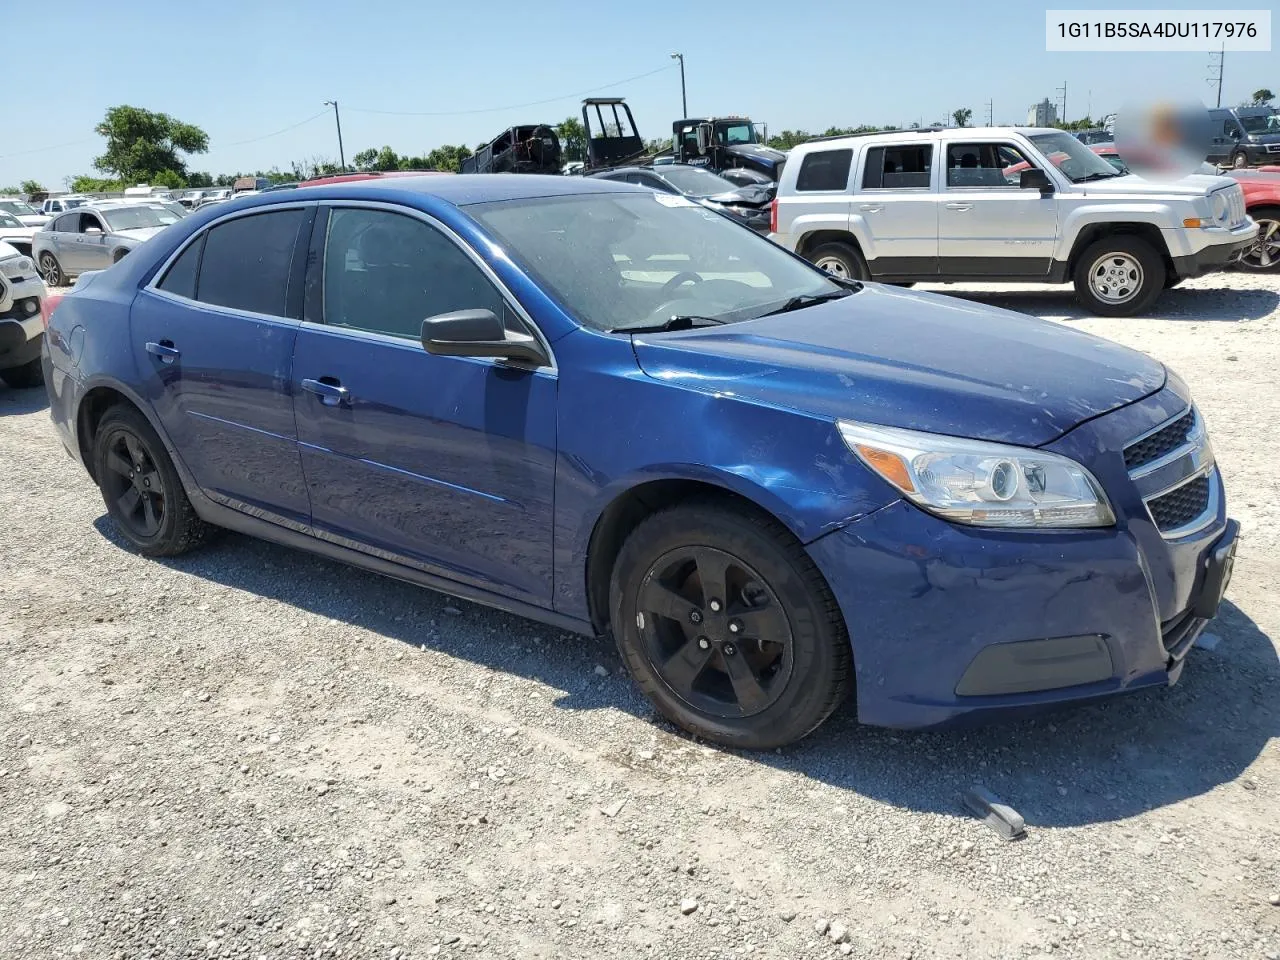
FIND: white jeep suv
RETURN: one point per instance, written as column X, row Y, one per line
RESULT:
column 1003, row 204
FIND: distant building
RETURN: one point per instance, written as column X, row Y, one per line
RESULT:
column 1043, row 114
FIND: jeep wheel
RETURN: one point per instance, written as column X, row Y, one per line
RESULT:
column 1239, row 159
column 728, row 627
column 29, row 374
column 840, row 260
column 1119, row 276
column 1264, row 255
column 141, row 487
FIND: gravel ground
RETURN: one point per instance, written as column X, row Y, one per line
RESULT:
column 248, row 752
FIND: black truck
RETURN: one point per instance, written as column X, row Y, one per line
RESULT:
column 729, row 146
column 533, row 148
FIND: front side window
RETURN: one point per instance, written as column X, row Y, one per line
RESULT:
column 247, row 261
column 90, row 222
column 897, row 167
column 825, row 170
column 385, row 272
column 623, row 261
column 987, row 165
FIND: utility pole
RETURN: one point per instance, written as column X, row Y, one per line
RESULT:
column 989, row 123
column 342, row 159
column 684, row 102
column 1062, row 119
column 1222, row 59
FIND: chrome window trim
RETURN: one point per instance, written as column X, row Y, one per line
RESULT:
column 1204, row 519
column 507, row 296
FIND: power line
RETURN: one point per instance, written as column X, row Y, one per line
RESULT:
column 513, row 106
column 268, row 136
column 55, row 146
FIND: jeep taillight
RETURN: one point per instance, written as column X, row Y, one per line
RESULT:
column 773, row 215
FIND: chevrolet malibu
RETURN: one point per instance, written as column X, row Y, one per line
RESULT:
column 615, row 411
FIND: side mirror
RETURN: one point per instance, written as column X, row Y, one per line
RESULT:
column 478, row 333
column 704, row 137
column 1035, row 179
column 92, row 231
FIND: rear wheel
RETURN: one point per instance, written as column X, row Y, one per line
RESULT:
column 141, row 487
column 841, row 260
column 728, row 627
column 28, row 375
column 51, row 270
column 1119, row 276
column 1264, row 255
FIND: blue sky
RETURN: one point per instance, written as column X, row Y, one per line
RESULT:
column 244, row 70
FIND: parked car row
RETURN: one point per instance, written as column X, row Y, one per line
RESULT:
column 94, row 236
column 770, row 485
column 1012, row 205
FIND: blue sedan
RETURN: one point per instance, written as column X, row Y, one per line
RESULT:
column 615, row 411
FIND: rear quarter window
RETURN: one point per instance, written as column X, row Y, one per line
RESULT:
column 824, row 170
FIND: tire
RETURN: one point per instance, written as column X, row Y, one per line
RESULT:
column 51, row 270
column 30, row 374
column 841, row 259
column 1119, row 276
column 1264, row 255
column 708, row 678
column 141, row 488
column 1239, row 160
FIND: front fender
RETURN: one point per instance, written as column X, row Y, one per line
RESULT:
column 1163, row 216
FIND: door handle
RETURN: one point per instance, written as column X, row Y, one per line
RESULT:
column 328, row 389
column 165, row 350
column 871, row 207
column 960, row 206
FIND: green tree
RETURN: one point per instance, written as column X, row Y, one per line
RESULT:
column 573, row 138
column 365, row 159
column 142, row 144
column 962, row 116
column 87, row 184
column 198, row 179
column 1263, row 97
column 789, row 138
column 448, row 157
column 32, row 186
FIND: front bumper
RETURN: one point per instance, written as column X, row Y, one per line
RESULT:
column 950, row 622
column 1217, row 255
column 21, row 327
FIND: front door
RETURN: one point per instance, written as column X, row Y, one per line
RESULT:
column 987, row 224
column 897, row 202
column 88, row 249
column 444, row 463
column 213, row 342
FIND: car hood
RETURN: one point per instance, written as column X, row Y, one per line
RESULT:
column 743, row 196
column 33, row 219
column 1132, row 185
column 18, row 233
column 915, row 360
column 757, row 151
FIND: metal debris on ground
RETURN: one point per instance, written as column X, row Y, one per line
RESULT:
column 994, row 812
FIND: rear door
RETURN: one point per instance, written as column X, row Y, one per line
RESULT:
column 213, row 342
column 443, row 463
column 897, row 201
column 988, row 225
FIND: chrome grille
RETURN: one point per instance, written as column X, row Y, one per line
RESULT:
column 1180, row 506
column 1236, row 213
column 1166, row 439
column 1172, row 466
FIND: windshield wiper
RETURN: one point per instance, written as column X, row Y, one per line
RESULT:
column 681, row 321
column 809, row 299
column 1098, row 176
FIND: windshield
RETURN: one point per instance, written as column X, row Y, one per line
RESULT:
column 736, row 132
column 1076, row 161
column 9, row 221
column 1258, row 124
column 618, row 261
column 18, row 208
column 72, row 204
column 134, row 218
column 695, row 182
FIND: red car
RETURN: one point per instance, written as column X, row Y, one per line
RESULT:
column 1261, row 188
column 372, row 175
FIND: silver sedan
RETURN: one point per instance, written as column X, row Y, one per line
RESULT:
column 95, row 237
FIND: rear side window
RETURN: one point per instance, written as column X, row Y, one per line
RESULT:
column 69, row 223
column 180, row 280
column 825, row 170
column 246, row 262
column 896, row 168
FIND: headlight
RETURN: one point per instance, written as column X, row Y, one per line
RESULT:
column 979, row 483
column 1220, row 206
column 15, row 268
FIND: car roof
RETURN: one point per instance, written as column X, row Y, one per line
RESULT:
column 464, row 189
column 927, row 133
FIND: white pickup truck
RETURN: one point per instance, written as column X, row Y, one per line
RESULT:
column 1004, row 204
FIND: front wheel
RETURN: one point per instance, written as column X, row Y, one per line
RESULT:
column 728, row 627
column 28, row 375
column 841, row 260
column 1119, row 276
column 1239, row 160
column 141, row 486
column 1264, row 255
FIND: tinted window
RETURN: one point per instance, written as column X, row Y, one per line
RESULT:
column 825, row 170
column 897, row 167
column 69, row 223
column 991, row 164
column 387, row 273
column 181, row 278
column 246, row 262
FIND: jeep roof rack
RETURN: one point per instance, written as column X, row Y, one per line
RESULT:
column 876, row 133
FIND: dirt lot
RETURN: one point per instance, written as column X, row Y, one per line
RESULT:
column 248, row 752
